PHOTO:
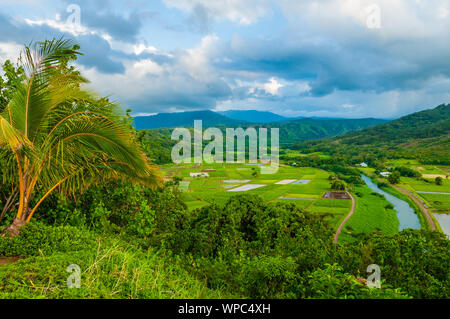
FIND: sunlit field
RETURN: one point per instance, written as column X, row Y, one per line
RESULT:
column 201, row 191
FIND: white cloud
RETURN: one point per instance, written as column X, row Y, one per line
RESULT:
column 243, row 12
column 197, row 61
column 399, row 18
column 324, row 44
column 442, row 12
column 144, row 67
column 9, row 51
column 72, row 28
column 187, row 80
column 272, row 86
column 145, row 114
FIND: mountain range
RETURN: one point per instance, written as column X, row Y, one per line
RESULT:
column 184, row 119
column 424, row 135
column 291, row 130
column 210, row 118
column 255, row 116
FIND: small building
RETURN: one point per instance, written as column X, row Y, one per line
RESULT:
column 294, row 164
column 202, row 174
column 385, row 174
column 363, row 164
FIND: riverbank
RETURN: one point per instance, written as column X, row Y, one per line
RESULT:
column 406, row 214
column 371, row 214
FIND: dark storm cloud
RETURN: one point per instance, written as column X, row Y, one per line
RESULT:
column 186, row 95
column 98, row 15
column 330, row 65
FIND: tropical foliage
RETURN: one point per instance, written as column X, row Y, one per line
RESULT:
column 54, row 134
column 243, row 249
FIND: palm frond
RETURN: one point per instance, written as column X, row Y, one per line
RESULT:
column 61, row 135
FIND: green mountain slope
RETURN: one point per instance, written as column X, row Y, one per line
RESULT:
column 158, row 141
column 424, row 135
column 309, row 129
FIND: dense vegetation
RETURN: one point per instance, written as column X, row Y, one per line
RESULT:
column 422, row 135
column 132, row 242
column 157, row 144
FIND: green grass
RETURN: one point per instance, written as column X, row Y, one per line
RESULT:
column 203, row 191
column 422, row 219
column 341, row 203
column 331, row 210
column 370, row 212
column 184, row 186
column 437, row 202
column 370, row 215
column 110, row 268
column 194, row 204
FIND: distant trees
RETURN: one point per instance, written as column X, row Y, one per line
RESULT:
column 394, row 178
column 438, row 180
column 337, row 185
column 408, row 172
column 12, row 78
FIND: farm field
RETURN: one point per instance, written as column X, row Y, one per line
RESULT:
column 437, row 197
column 370, row 215
column 294, row 154
column 303, row 186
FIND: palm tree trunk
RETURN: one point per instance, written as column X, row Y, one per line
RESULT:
column 14, row 228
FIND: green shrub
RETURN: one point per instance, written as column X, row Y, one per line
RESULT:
column 36, row 238
column 332, row 282
column 270, row 277
column 112, row 270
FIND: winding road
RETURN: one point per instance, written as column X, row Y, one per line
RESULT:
column 401, row 190
column 418, row 202
column 338, row 232
column 415, row 200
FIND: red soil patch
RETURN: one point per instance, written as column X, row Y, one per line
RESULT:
column 336, row 195
column 8, row 260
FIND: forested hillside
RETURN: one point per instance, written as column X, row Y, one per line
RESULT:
column 424, row 135
column 290, row 131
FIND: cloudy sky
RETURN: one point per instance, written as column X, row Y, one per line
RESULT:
column 346, row 58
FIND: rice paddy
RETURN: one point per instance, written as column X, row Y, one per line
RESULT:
column 303, row 186
column 247, row 187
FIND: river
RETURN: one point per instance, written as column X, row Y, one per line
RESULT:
column 405, row 213
column 444, row 222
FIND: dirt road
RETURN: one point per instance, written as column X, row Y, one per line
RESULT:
column 338, row 232
column 418, row 202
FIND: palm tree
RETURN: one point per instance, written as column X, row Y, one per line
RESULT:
column 55, row 135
